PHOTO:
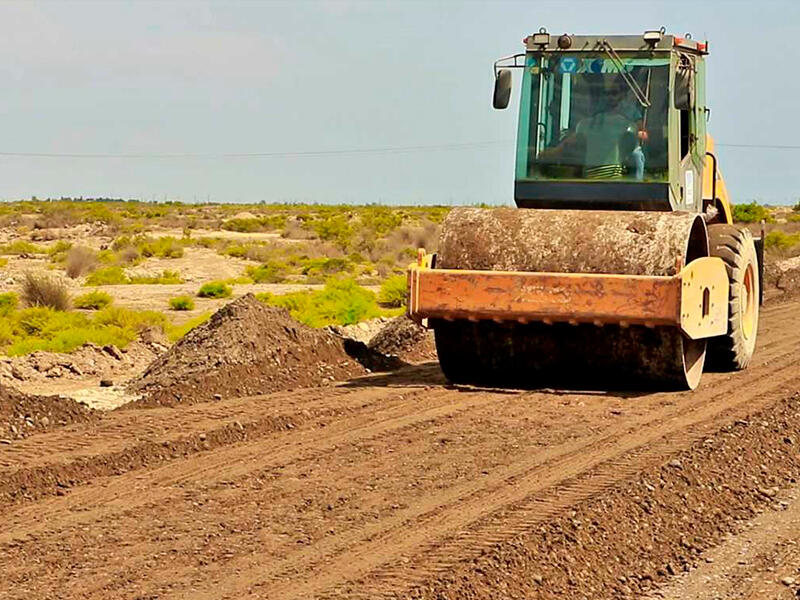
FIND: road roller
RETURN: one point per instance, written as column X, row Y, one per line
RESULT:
column 620, row 266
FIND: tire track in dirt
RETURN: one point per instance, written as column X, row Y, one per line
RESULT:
column 610, row 459
column 495, row 487
column 231, row 462
column 477, row 506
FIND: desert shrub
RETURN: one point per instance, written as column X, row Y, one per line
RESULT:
column 780, row 240
column 336, row 229
column 58, row 251
column 20, row 247
column 793, row 218
column 235, row 250
column 163, row 247
column 251, row 225
column 44, row 290
column 394, row 291
column 181, row 303
column 8, row 303
column 79, row 261
column 3, row 262
column 340, row 302
column 164, row 278
column 381, row 219
column 750, row 213
column 107, row 276
column 214, row 289
column 94, row 300
column 270, row 272
column 125, row 318
column 796, row 207
column 43, row 328
column 128, row 255
column 321, row 268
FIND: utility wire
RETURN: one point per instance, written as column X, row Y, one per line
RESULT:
column 354, row 151
column 312, row 153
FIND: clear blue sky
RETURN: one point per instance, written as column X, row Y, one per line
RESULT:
column 161, row 77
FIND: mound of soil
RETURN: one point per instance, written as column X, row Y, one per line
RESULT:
column 22, row 415
column 245, row 348
column 403, row 338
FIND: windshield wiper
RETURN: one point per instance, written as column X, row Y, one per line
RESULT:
column 641, row 96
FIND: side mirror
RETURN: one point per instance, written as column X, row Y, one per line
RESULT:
column 684, row 96
column 502, row 89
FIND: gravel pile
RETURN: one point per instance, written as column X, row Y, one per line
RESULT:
column 22, row 415
column 403, row 338
column 245, row 348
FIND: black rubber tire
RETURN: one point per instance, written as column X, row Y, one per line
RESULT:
column 734, row 350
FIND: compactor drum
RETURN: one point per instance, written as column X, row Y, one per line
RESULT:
column 621, row 266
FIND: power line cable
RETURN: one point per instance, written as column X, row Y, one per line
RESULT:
column 313, row 153
column 353, row 151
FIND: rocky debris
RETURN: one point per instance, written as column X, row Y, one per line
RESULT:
column 646, row 530
column 88, row 361
column 782, row 278
column 22, row 414
column 403, row 338
column 244, row 348
column 363, row 331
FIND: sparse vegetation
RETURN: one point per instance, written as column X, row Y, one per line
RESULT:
column 79, row 261
column 45, row 290
column 117, row 276
column 21, row 248
column 215, row 289
column 181, row 303
column 107, row 276
column 94, row 300
column 781, row 241
column 394, row 291
column 340, row 302
column 751, row 213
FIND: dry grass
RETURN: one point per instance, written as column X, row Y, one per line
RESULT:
column 45, row 290
column 80, row 260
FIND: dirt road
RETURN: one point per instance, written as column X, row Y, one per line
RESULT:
column 399, row 486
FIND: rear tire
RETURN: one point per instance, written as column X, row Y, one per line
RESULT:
column 734, row 350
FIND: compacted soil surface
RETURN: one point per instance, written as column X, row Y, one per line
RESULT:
column 400, row 486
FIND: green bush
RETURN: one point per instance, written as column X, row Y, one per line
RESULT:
column 780, row 240
column 394, row 291
column 20, row 247
column 322, row 268
column 270, row 272
column 251, row 225
column 181, row 303
column 340, row 302
column 42, row 328
column 796, row 207
column 8, row 303
column 163, row 247
column 215, row 289
column 107, row 276
column 94, row 300
column 751, row 213
column 164, row 278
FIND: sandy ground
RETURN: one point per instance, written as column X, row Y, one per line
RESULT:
column 399, row 486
